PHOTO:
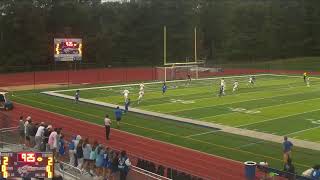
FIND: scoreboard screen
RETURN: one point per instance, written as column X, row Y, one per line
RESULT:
column 26, row 164
column 67, row 49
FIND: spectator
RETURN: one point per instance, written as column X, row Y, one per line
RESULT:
column 107, row 124
column 79, row 153
column 46, row 135
column 287, row 147
column 288, row 167
column 124, row 165
column 26, row 133
column 39, row 136
column 61, row 146
column 21, row 130
column 99, row 160
column 32, row 132
column 72, row 150
column 315, row 175
column 53, row 141
column 59, row 131
column 86, row 154
column 118, row 115
column 114, row 165
column 29, row 127
column 106, row 163
column 93, row 157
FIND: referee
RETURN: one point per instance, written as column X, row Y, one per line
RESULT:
column 107, row 123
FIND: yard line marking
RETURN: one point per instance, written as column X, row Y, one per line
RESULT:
column 303, row 130
column 272, row 119
column 250, row 144
column 209, row 132
column 295, row 102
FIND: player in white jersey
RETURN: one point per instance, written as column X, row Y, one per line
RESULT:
column 141, row 94
column 308, row 81
column 251, row 81
column 126, row 95
column 141, row 87
column 222, row 88
column 235, row 86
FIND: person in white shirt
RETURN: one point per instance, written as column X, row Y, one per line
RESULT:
column 39, row 135
column 141, row 87
column 126, row 94
column 235, row 86
column 141, row 94
column 107, row 124
column 53, row 141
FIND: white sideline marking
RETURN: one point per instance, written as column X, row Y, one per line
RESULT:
column 209, row 132
column 303, row 130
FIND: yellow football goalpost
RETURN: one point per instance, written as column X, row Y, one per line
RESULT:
column 193, row 64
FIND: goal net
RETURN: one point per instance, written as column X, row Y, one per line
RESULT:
column 178, row 71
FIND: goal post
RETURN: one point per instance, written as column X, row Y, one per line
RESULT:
column 178, row 71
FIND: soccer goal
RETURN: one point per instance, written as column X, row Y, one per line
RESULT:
column 179, row 71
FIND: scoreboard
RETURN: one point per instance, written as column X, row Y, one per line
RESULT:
column 67, row 49
column 26, row 164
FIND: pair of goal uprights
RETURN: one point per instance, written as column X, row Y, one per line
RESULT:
column 194, row 63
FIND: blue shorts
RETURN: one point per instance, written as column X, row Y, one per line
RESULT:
column 106, row 164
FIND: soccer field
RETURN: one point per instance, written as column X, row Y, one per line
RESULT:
column 276, row 104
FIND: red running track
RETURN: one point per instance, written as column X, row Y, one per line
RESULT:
column 182, row 159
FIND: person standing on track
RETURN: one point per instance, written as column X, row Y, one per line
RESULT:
column 107, row 124
column 118, row 115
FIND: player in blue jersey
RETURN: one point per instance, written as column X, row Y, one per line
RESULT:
column 118, row 115
column 164, row 88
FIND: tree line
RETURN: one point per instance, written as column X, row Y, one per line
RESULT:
column 131, row 34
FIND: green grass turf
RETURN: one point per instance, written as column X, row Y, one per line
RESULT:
column 223, row 144
column 280, row 105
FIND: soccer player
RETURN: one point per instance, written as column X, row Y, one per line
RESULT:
column 126, row 105
column 235, row 86
column 222, row 88
column 164, row 88
column 308, row 82
column 126, row 94
column 251, row 81
column 77, row 96
column 141, row 87
column 141, row 93
column 188, row 79
column 305, row 77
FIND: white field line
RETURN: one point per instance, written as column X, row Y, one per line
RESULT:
column 199, row 134
column 303, row 130
column 187, row 109
column 136, row 84
column 281, row 104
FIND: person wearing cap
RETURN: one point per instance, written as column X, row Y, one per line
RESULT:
column 39, row 136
